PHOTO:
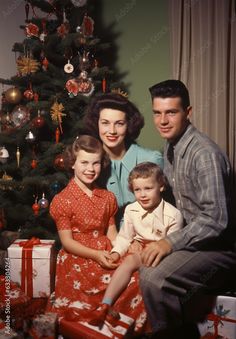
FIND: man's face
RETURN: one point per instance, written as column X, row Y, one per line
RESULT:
column 169, row 117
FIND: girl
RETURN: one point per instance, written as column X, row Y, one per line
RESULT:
column 117, row 123
column 84, row 215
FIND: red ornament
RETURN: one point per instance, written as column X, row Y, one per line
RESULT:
column 59, row 162
column 29, row 94
column 34, row 163
column 45, row 63
column 36, row 97
column 104, row 85
column 36, row 208
column 57, row 135
column 87, row 26
column 38, row 122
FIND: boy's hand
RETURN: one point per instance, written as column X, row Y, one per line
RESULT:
column 135, row 247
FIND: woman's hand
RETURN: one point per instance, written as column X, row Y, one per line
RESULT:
column 104, row 259
column 115, row 257
column 154, row 252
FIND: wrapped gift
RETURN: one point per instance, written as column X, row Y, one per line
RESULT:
column 222, row 322
column 32, row 265
column 79, row 329
column 44, row 326
column 6, row 332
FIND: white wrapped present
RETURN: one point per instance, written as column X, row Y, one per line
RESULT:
column 32, row 265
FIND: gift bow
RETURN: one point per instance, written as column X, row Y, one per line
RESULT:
column 216, row 320
column 30, row 243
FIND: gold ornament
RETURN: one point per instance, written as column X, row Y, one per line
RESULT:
column 119, row 91
column 57, row 113
column 27, row 65
column 13, row 95
column 18, row 156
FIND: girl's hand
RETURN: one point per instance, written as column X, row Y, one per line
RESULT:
column 104, row 259
column 115, row 257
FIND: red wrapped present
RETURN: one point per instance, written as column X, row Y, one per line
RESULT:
column 44, row 326
column 32, row 265
column 76, row 329
column 6, row 332
column 222, row 322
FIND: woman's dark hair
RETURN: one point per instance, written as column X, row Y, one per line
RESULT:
column 88, row 144
column 135, row 120
column 146, row 170
column 171, row 89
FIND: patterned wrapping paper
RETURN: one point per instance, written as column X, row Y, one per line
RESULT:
column 44, row 326
column 33, row 267
column 75, row 329
column 222, row 322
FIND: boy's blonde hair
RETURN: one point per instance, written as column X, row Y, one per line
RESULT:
column 146, row 170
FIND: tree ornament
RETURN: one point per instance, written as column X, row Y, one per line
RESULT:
column 29, row 94
column 4, row 155
column 104, row 85
column 26, row 65
column 39, row 121
column 30, row 137
column 19, row 116
column 57, row 135
column 43, row 202
column 59, row 162
column 55, row 187
column 63, row 29
column 33, row 163
column 31, row 30
column 68, row 68
column 57, row 113
column 18, row 156
column 27, row 11
column 36, row 207
column 13, row 95
column 84, row 62
column 87, row 26
column 86, row 87
column 72, row 88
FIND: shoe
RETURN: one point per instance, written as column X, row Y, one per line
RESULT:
column 99, row 315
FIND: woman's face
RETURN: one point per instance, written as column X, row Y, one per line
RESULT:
column 112, row 126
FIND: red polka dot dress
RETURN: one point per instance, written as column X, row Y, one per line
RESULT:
column 81, row 282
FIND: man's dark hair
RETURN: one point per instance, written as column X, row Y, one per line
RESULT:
column 171, row 89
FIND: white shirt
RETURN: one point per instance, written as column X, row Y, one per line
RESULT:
column 144, row 226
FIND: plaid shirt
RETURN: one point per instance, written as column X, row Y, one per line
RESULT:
column 199, row 177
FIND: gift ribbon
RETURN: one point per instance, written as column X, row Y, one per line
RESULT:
column 73, row 315
column 27, row 263
column 216, row 320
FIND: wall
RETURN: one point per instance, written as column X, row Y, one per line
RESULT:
column 143, row 52
column 142, row 42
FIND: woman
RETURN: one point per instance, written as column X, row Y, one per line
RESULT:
column 117, row 123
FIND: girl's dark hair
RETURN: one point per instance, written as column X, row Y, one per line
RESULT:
column 171, row 89
column 135, row 120
column 88, row 144
column 146, row 170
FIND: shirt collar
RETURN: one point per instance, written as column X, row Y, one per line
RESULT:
column 158, row 212
column 182, row 144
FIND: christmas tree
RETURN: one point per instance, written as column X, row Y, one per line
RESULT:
column 59, row 67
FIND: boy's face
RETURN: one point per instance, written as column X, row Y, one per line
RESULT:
column 147, row 192
column 169, row 117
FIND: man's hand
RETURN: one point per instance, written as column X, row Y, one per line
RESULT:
column 154, row 252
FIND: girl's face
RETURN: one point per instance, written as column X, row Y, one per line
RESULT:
column 112, row 126
column 147, row 192
column 87, row 168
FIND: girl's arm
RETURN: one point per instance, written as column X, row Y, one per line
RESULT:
column 74, row 247
column 112, row 233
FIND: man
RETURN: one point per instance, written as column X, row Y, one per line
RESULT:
column 199, row 259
